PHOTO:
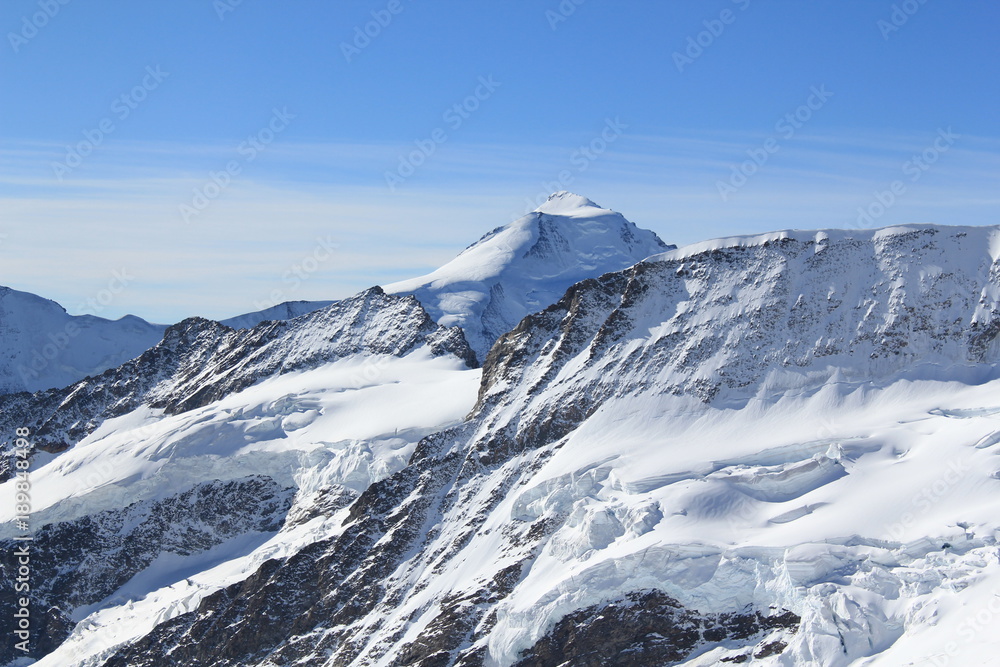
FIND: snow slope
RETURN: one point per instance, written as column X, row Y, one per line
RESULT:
column 527, row 265
column 44, row 347
column 349, row 405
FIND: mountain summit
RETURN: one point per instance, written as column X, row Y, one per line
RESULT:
column 527, row 265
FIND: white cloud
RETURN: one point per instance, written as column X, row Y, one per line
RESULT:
column 122, row 209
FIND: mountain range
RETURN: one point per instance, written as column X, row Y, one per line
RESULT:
column 571, row 445
column 44, row 347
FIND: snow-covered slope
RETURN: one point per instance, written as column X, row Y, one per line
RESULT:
column 150, row 500
column 199, row 361
column 768, row 450
column 526, row 266
column 42, row 346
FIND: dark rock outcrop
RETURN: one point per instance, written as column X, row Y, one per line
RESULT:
column 82, row 563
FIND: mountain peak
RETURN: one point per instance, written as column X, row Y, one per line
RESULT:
column 563, row 203
column 527, row 265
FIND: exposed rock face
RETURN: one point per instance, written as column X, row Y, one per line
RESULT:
column 79, row 563
column 351, row 575
column 645, row 628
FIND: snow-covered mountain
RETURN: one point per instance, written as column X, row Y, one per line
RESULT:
column 768, row 450
column 527, row 265
column 44, row 347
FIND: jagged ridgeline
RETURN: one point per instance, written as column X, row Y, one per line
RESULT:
column 704, row 457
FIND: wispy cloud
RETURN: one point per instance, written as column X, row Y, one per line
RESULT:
column 120, row 209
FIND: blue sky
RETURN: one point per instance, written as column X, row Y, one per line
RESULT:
column 209, row 149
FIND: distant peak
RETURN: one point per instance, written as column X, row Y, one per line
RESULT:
column 563, row 201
